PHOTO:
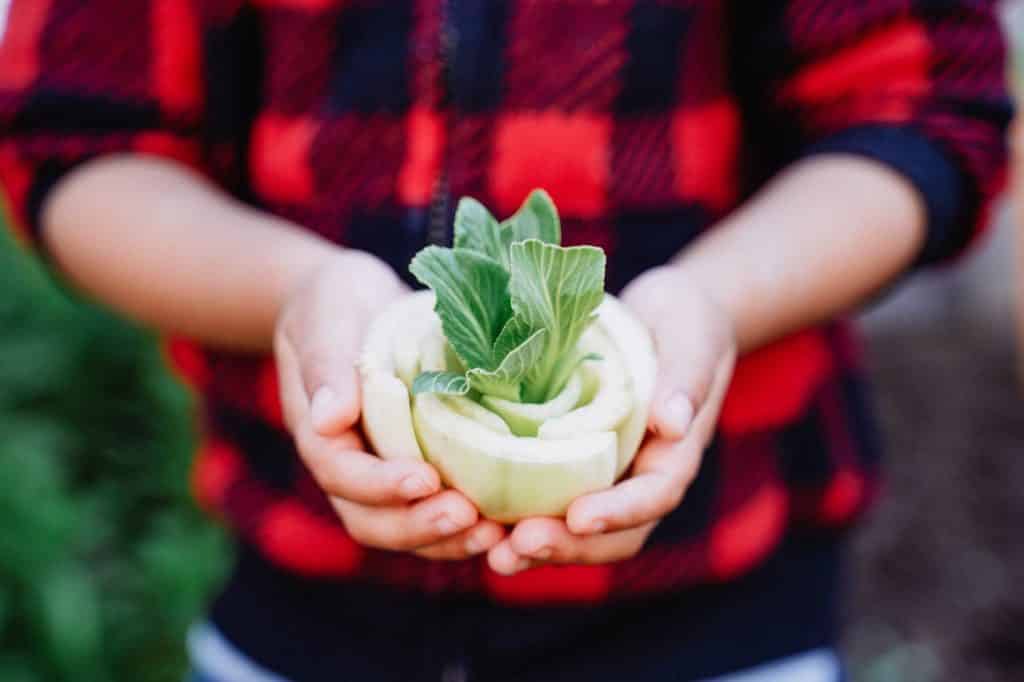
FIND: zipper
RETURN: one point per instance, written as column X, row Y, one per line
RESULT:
column 438, row 230
column 456, row 672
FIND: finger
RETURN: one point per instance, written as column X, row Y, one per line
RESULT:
column 340, row 467
column 470, row 542
column 683, row 385
column 330, row 380
column 707, row 418
column 343, row 470
column 543, row 540
column 294, row 401
column 506, row 561
column 407, row 528
column 663, row 471
column 336, row 404
column 350, row 440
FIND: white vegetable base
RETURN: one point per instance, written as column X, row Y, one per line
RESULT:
column 579, row 449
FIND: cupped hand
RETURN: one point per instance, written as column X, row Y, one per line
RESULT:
column 696, row 351
column 387, row 504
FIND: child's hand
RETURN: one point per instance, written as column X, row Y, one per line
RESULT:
column 696, row 354
column 387, row 504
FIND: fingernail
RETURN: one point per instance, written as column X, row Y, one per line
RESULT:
column 679, row 412
column 506, row 572
column 520, row 565
column 414, row 486
column 598, row 526
column 324, row 407
column 475, row 543
column 446, row 526
column 537, row 549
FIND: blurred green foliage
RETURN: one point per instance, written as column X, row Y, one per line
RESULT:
column 104, row 559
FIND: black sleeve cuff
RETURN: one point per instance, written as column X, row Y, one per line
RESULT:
column 47, row 176
column 946, row 189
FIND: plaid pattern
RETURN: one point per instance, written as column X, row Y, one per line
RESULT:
column 647, row 120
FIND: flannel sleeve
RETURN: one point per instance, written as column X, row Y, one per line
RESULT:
column 917, row 85
column 80, row 79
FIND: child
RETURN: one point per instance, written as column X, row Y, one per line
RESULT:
column 255, row 176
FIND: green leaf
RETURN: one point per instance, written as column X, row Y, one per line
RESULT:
column 512, row 302
column 537, row 218
column 18, row 668
column 69, row 618
column 505, row 381
column 477, row 230
column 557, row 289
column 512, row 335
column 567, row 364
column 472, row 300
column 448, row 383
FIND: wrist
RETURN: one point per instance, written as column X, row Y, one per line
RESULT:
column 295, row 260
column 713, row 286
column 657, row 294
column 320, row 270
column 739, row 276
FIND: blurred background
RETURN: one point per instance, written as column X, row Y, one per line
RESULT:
column 105, row 560
column 939, row 563
column 938, row 566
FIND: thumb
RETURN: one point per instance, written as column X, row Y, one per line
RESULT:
column 680, row 393
column 332, row 384
column 672, row 413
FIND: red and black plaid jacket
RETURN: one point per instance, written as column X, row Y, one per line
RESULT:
column 647, row 120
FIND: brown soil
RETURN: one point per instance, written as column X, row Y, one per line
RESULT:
column 940, row 563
